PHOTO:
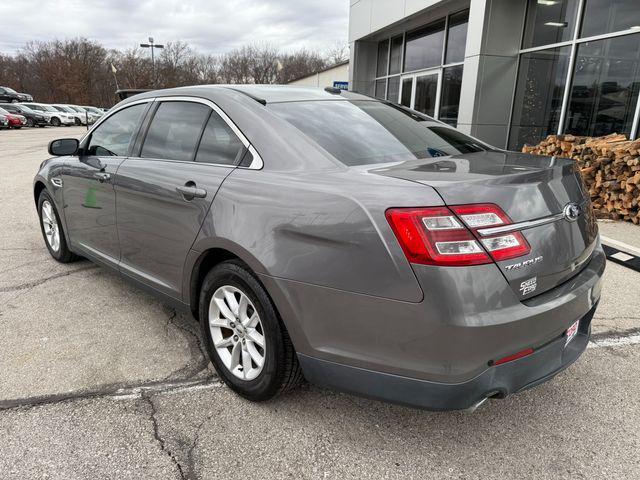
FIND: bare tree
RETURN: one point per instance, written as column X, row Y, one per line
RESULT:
column 80, row 71
column 337, row 53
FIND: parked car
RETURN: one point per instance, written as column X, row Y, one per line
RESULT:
column 15, row 121
column 33, row 118
column 356, row 242
column 95, row 111
column 9, row 95
column 4, row 122
column 54, row 116
column 78, row 118
column 88, row 116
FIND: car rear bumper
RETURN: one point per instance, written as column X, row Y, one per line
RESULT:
column 496, row 381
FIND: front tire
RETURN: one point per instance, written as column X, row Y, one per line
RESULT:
column 52, row 230
column 246, row 340
column 30, row 122
column 55, row 121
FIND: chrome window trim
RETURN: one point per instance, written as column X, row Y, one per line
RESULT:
column 256, row 163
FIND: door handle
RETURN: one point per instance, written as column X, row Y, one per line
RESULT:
column 102, row 177
column 189, row 191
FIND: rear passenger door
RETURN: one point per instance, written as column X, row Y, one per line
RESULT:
column 164, row 192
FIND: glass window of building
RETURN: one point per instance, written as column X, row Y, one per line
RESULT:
column 383, row 58
column 393, row 91
column 539, row 92
column 457, row 37
column 395, row 59
column 606, row 16
column 418, row 69
column 381, row 88
column 407, row 85
column 549, row 21
column 423, row 47
column 450, row 95
column 604, row 92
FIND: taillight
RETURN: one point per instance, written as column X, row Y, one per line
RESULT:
column 448, row 236
column 501, row 246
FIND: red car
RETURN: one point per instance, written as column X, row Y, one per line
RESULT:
column 15, row 121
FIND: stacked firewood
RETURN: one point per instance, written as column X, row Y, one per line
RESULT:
column 610, row 167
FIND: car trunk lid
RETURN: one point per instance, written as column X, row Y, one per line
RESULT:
column 534, row 191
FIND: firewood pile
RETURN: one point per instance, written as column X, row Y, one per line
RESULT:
column 610, row 167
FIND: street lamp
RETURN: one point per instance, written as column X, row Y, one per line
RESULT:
column 152, row 46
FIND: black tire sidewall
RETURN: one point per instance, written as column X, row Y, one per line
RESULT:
column 55, row 122
column 267, row 383
column 63, row 254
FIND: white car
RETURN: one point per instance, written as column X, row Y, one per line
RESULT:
column 86, row 114
column 95, row 111
column 79, row 118
column 53, row 116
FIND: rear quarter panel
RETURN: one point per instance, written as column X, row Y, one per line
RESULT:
column 322, row 228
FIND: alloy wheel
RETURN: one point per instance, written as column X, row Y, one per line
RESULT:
column 50, row 225
column 237, row 332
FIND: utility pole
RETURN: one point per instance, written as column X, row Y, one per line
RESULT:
column 152, row 46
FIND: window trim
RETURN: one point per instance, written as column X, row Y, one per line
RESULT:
column 257, row 162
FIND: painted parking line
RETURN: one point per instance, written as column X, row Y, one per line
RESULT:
column 621, row 253
column 615, row 341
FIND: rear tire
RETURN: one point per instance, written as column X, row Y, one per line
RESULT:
column 280, row 370
column 52, row 231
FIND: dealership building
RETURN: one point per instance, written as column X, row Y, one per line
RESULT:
column 506, row 71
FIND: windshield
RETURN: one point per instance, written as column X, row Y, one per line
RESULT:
column 62, row 108
column 92, row 109
column 49, row 108
column 78, row 109
column 369, row 132
column 3, row 111
column 10, row 90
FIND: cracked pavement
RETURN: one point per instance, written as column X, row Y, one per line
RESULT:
column 100, row 380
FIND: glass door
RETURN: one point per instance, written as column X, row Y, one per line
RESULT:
column 421, row 92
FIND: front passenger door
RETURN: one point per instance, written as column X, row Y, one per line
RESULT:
column 164, row 193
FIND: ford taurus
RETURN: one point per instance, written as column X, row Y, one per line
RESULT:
column 328, row 235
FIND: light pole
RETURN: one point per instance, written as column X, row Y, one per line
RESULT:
column 152, row 46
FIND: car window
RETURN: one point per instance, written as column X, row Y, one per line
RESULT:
column 219, row 144
column 369, row 132
column 112, row 137
column 175, row 130
column 3, row 111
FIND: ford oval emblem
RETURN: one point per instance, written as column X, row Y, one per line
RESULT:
column 572, row 211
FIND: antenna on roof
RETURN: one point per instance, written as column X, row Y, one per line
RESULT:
column 333, row 90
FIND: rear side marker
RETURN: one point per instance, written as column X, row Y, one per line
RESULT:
column 511, row 358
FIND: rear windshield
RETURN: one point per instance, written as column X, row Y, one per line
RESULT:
column 369, row 132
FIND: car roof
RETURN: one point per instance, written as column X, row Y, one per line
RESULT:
column 262, row 93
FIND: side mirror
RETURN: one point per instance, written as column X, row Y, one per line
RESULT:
column 64, row 146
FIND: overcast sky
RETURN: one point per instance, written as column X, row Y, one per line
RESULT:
column 211, row 26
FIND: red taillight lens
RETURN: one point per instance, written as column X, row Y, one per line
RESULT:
column 434, row 236
column 443, row 236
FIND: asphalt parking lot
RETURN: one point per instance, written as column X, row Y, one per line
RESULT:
column 99, row 380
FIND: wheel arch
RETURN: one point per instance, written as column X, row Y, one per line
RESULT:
column 38, row 187
column 207, row 259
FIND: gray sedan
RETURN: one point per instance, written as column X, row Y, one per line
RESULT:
column 328, row 235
